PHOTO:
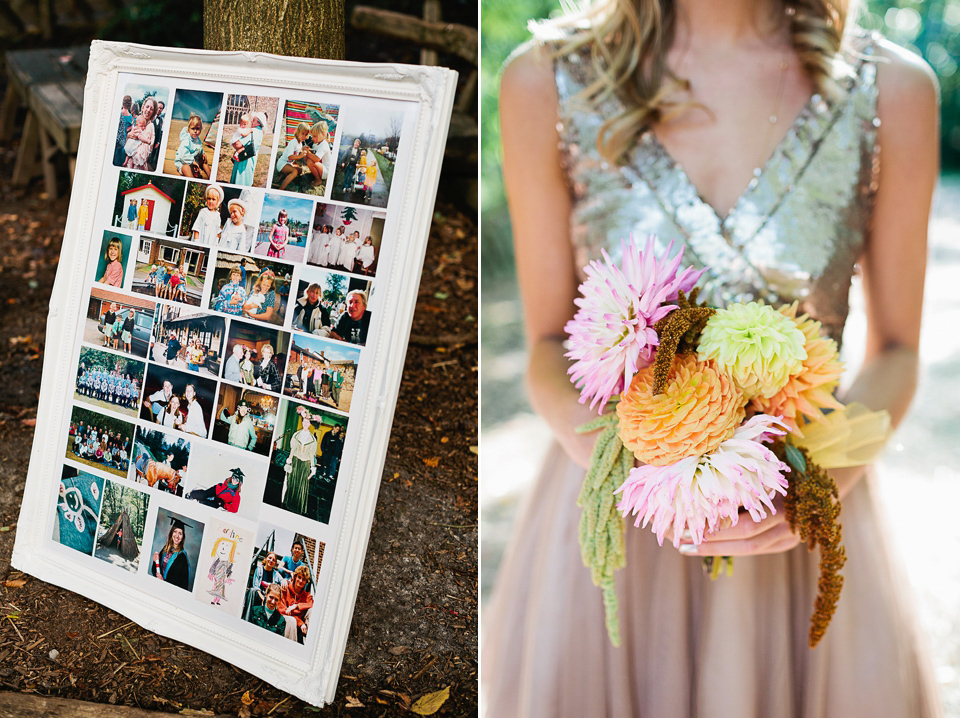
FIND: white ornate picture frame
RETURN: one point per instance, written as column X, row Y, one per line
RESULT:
column 224, row 355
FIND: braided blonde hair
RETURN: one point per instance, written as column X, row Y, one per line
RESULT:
column 628, row 42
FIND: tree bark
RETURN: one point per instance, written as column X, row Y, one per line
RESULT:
column 299, row 28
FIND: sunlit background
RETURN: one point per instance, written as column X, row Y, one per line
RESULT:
column 920, row 472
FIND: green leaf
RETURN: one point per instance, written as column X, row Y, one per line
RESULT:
column 795, row 458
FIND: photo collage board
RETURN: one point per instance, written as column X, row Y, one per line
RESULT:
column 232, row 304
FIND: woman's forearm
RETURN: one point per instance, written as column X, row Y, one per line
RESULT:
column 555, row 398
column 887, row 381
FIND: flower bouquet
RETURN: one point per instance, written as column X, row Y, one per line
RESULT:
column 724, row 407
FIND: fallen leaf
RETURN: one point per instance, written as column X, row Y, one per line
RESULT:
column 15, row 583
column 28, row 422
column 432, row 462
column 353, row 702
column 246, row 699
column 429, row 704
column 399, row 650
column 474, row 449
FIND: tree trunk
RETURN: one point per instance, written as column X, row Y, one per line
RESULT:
column 299, row 28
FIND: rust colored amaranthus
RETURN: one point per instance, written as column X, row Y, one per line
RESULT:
column 812, row 506
column 678, row 333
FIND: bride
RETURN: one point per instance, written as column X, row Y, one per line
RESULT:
column 782, row 147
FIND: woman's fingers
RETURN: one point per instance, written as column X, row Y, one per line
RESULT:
column 776, row 538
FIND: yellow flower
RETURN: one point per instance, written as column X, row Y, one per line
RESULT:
column 758, row 346
column 809, row 390
column 698, row 410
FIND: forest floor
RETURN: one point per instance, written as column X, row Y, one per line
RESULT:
column 414, row 628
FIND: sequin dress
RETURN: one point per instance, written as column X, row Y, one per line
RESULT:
column 736, row 646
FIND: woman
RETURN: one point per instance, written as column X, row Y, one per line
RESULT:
column 171, row 416
column 300, row 466
column 266, row 374
column 242, row 173
column 195, row 422
column 126, row 119
column 139, row 160
column 789, row 230
column 269, row 308
column 171, row 564
column 296, row 600
column 264, row 576
column 246, row 367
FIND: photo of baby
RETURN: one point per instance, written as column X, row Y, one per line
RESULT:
column 248, row 122
column 140, row 127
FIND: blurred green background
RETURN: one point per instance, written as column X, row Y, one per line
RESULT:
column 930, row 28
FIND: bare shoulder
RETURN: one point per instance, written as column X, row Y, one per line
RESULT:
column 528, row 78
column 907, row 85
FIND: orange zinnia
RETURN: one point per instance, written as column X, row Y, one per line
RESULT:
column 811, row 389
column 698, row 410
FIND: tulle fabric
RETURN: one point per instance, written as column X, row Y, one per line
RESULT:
column 734, row 647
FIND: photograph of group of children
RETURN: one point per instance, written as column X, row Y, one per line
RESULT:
column 224, row 332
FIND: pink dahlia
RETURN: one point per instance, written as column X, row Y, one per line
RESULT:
column 698, row 492
column 612, row 334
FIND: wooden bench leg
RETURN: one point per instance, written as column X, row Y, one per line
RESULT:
column 8, row 116
column 25, row 168
column 49, row 153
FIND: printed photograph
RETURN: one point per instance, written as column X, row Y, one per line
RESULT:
column 175, row 552
column 321, row 372
column 243, row 207
column 218, row 478
column 176, row 400
column 346, row 238
column 160, row 460
column 134, row 314
column 281, row 580
column 108, row 381
column 99, row 441
column 78, row 509
column 114, row 252
column 123, row 517
column 245, row 419
column 307, row 449
column 304, row 160
column 140, row 128
column 248, row 122
column 252, row 288
column 284, row 226
column 334, row 305
column 187, row 338
column 147, row 203
column 257, row 356
column 368, row 153
column 194, row 121
column 224, row 557
column 170, row 270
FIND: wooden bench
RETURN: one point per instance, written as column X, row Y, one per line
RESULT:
column 50, row 83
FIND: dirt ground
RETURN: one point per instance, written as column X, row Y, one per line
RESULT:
column 415, row 624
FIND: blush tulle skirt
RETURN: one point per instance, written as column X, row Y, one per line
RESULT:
column 692, row 646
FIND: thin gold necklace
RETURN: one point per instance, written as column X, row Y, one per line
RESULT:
column 774, row 116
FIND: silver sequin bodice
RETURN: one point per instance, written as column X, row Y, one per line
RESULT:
column 794, row 234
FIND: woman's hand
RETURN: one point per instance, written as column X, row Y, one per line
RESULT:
column 770, row 535
column 747, row 538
